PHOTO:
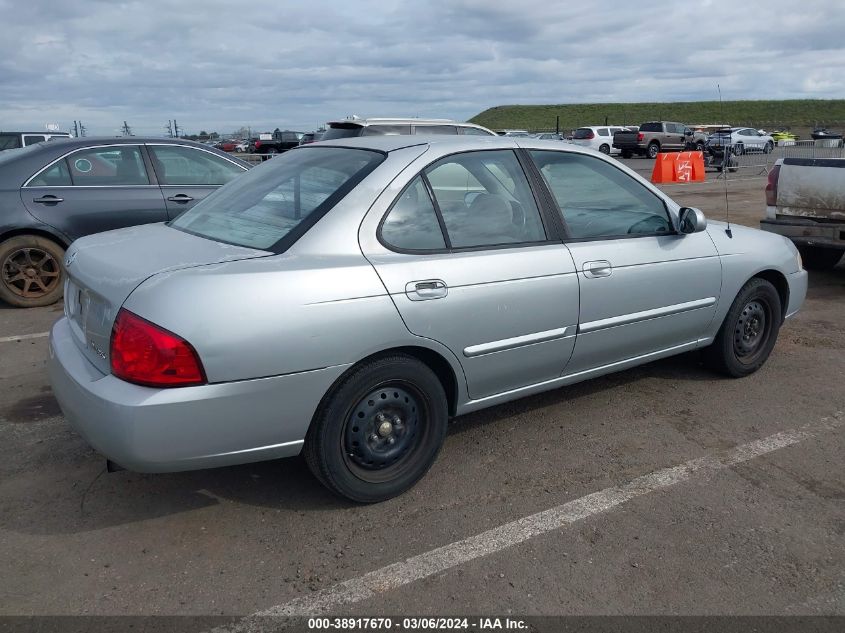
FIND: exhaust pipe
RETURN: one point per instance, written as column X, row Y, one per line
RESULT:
column 113, row 467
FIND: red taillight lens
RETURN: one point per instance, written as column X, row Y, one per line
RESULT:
column 257, row 144
column 640, row 137
column 772, row 187
column 146, row 354
column 590, row 135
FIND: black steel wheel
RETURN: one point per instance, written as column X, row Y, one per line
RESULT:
column 30, row 271
column 379, row 429
column 748, row 332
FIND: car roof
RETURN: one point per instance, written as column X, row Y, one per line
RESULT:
column 37, row 133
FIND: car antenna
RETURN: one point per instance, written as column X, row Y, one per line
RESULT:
column 725, row 160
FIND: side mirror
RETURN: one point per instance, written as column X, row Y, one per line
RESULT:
column 691, row 220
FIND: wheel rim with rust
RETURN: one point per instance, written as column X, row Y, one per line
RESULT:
column 31, row 272
column 384, row 431
column 751, row 331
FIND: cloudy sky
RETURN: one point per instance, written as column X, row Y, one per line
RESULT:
column 221, row 64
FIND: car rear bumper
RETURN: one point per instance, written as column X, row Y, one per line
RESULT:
column 807, row 232
column 187, row 428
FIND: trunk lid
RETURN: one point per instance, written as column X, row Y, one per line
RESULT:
column 103, row 270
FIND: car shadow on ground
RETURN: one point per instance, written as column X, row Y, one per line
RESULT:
column 76, row 494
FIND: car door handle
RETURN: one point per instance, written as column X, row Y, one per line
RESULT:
column 48, row 200
column 181, row 197
column 425, row 290
column 600, row 268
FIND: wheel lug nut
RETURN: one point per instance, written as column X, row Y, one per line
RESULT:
column 374, row 438
column 391, row 440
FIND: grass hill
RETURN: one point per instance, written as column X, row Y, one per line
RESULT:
column 791, row 114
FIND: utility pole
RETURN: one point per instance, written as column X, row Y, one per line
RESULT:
column 82, row 129
column 76, row 129
column 175, row 128
column 127, row 131
column 169, row 128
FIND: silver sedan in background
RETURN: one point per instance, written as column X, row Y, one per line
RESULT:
column 348, row 298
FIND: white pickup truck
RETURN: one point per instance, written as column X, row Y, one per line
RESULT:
column 805, row 201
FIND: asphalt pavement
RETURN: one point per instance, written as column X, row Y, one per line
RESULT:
column 661, row 490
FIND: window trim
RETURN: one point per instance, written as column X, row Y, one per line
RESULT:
column 602, row 238
column 148, row 166
column 466, row 249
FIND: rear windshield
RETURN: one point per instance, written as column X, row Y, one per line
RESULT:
column 583, row 133
column 10, row 141
column 272, row 205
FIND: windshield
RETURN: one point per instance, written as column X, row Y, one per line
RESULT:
column 272, row 205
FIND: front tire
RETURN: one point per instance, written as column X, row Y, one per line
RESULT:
column 31, row 272
column 749, row 331
column 379, row 429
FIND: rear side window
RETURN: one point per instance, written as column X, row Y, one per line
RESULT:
column 57, row 175
column 411, row 224
column 176, row 165
column 114, row 166
column 603, row 131
column 376, row 130
column 651, row 127
column 598, row 200
column 474, row 131
column 33, row 139
column 435, row 129
column 272, row 205
column 341, row 131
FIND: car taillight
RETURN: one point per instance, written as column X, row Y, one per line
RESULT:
column 640, row 137
column 146, row 354
column 257, row 144
column 772, row 187
column 590, row 135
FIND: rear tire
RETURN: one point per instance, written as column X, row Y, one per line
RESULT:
column 816, row 258
column 31, row 271
column 626, row 153
column 653, row 150
column 749, row 331
column 378, row 430
column 767, row 149
column 604, row 148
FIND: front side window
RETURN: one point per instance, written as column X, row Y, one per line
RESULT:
column 175, row 165
column 411, row 224
column 32, row 140
column 280, row 199
column 114, row 166
column 485, row 200
column 598, row 200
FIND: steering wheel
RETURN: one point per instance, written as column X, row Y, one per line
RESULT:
column 651, row 224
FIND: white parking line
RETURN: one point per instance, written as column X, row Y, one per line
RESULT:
column 22, row 337
column 505, row 536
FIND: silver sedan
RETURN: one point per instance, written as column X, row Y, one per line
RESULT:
column 347, row 298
